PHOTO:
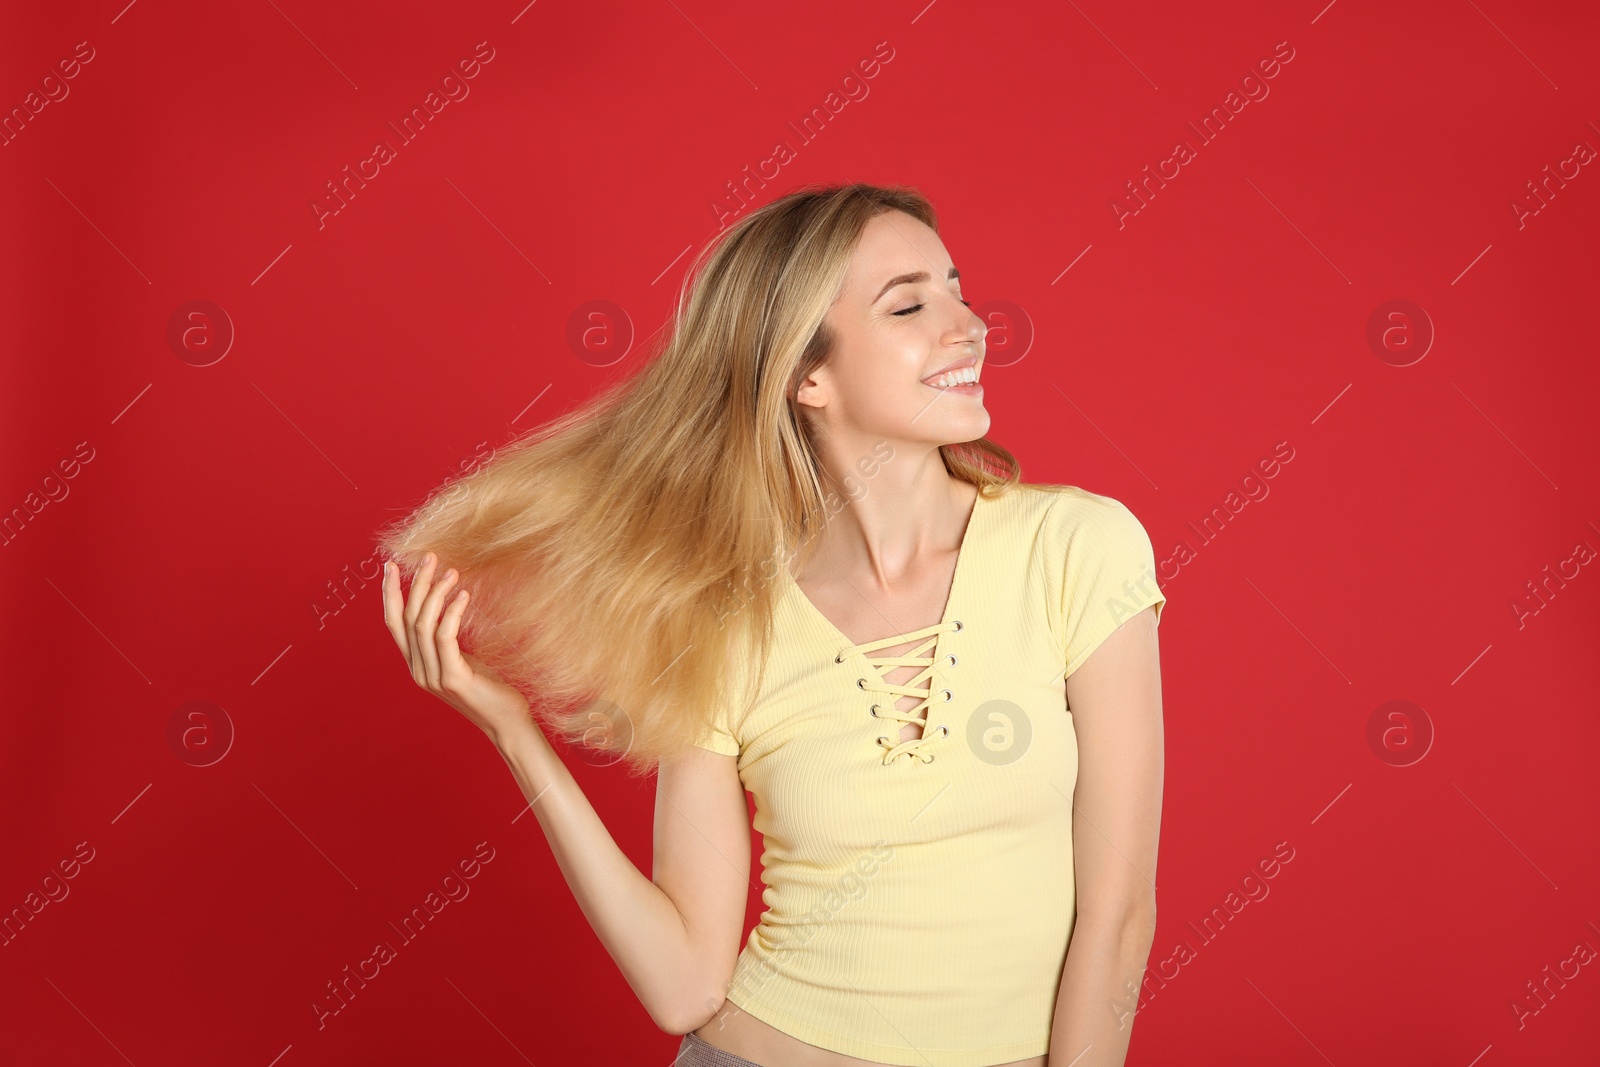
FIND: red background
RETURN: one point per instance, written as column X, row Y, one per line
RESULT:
column 213, row 541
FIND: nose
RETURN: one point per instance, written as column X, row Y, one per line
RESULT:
column 975, row 329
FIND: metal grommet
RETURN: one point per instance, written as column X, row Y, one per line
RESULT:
column 945, row 728
column 952, row 659
column 861, row 683
column 883, row 739
column 929, row 759
column 874, row 711
column 838, row 659
column 958, row 625
column 948, row 696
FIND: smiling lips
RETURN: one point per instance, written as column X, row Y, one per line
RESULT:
column 962, row 372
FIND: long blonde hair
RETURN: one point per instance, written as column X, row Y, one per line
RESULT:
column 621, row 557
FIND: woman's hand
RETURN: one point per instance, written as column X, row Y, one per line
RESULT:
column 427, row 639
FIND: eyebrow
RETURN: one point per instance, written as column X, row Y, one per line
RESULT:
column 912, row 279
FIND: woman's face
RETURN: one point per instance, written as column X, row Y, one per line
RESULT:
column 898, row 322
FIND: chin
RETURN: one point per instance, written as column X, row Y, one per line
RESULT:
column 960, row 431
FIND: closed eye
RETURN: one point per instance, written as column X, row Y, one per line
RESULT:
column 914, row 308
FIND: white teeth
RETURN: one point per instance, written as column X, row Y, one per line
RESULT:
column 959, row 377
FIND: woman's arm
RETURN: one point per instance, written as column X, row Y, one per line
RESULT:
column 677, row 957
column 676, row 937
column 1115, row 697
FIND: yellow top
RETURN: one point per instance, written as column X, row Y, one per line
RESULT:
column 919, row 894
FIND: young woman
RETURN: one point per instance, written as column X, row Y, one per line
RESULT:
column 784, row 558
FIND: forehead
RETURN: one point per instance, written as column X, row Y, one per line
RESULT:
column 891, row 244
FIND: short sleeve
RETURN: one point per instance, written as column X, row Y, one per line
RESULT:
column 718, row 737
column 725, row 725
column 1108, row 575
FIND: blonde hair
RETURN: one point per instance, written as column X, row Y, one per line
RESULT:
column 621, row 557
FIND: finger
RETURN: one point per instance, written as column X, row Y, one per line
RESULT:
column 428, row 622
column 453, row 669
column 394, row 609
column 421, row 582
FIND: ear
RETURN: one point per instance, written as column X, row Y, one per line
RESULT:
column 815, row 389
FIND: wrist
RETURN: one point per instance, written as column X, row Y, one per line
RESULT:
column 511, row 736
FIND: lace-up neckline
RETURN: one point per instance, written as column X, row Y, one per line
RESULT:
column 919, row 686
column 927, row 654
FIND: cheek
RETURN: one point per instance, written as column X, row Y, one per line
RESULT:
column 877, row 385
column 885, row 399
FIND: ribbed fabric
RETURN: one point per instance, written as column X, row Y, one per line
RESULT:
column 918, row 913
